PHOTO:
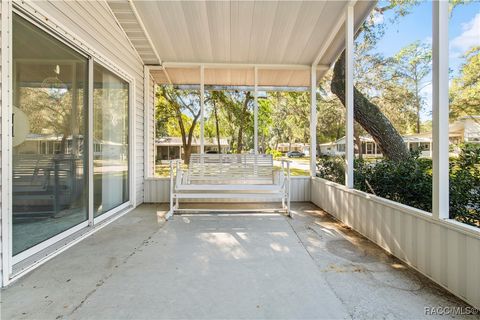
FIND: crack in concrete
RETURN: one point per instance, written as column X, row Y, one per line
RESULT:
column 353, row 313
column 318, row 267
column 101, row 282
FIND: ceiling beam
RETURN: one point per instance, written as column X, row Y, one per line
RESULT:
column 166, row 75
column 241, row 66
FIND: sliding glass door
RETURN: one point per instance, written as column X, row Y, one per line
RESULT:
column 49, row 167
column 110, row 140
column 51, row 135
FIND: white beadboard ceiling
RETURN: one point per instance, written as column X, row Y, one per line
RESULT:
column 282, row 38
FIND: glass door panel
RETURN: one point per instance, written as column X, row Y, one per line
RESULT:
column 49, row 168
column 110, row 139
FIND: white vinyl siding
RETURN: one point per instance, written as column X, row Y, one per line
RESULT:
column 1, row 253
column 94, row 29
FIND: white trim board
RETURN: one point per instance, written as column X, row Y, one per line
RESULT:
column 6, row 67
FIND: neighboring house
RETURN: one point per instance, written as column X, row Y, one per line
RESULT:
column 168, row 148
column 337, row 148
column 42, row 144
column 464, row 130
column 50, row 144
column 285, row 147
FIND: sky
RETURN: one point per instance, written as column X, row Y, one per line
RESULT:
column 464, row 33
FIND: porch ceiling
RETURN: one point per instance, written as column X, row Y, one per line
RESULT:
column 282, row 38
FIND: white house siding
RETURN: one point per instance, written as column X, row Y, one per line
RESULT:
column 445, row 251
column 1, row 106
column 157, row 190
column 92, row 27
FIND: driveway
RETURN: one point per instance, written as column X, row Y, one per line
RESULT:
column 295, row 163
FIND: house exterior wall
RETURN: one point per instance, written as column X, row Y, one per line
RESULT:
column 445, row 251
column 472, row 130
column 92, row 28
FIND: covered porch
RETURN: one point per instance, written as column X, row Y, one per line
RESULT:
column 225, row 266
column 344, row 253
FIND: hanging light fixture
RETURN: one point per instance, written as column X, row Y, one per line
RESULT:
column 54, row 86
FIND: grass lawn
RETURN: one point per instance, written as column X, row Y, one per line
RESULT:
column 300, row 160
column 294, row 172
column 163, row 170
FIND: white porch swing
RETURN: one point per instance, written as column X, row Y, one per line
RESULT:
column 229, row 176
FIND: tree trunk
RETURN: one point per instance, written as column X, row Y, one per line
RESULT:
column 417, row 102
column 217, row 127
column 188, row 151
column 370, row 117
column 358, row 142
column 240, row 129
column 240, row 139
column 186, row 139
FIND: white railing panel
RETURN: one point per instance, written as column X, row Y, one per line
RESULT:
column 157, row 190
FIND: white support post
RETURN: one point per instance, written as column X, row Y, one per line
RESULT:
column 255, row 112
column 313, row 121
column 349, row 148
column 440, row 106
column 91, row 149
column 202, row 109
column 146, row 123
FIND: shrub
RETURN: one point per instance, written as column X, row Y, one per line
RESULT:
column 275, row 153
column 331, row 168
column 410, row 182
column 465, row 185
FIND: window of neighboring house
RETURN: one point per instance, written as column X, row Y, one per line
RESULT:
column 425, row 146
column 57, row 147
column 369, row 148
column 43, row 147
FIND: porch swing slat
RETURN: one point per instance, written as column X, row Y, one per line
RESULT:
column 230, row 176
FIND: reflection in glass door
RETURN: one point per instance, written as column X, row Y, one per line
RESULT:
column 110, row 140
column 49, row 168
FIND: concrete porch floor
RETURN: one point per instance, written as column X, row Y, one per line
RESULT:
column 224, row 266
